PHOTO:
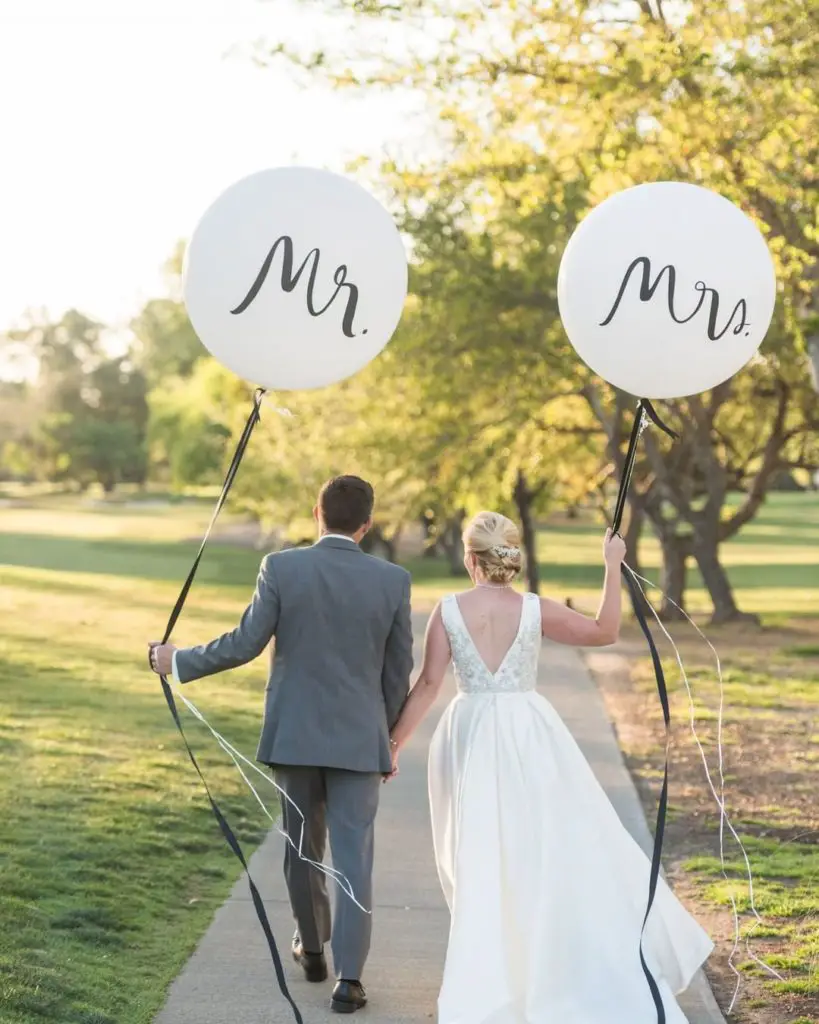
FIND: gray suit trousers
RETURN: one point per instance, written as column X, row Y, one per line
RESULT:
column 343, row 804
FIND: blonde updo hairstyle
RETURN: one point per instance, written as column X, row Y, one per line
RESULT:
column 494, row 543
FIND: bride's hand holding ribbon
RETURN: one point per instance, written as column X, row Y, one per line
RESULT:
column 614, row 549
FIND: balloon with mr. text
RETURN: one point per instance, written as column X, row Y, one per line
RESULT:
column 666, row 290
column 295, row 278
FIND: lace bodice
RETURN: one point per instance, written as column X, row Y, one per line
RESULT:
column 518, row 670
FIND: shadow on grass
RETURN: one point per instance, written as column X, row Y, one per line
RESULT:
column 744, row 577
column 780, row 575
column 149, row 560
column 73, row 588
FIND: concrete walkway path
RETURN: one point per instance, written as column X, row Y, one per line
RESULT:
column 230, row 978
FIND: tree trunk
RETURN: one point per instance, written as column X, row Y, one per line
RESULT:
column 718, row 585
column 523, row 501
column 453, row 544
column 376, row 542
column 427, row 520
column 674, row 577
column 393, row 542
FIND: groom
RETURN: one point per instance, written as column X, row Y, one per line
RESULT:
column 340, row 621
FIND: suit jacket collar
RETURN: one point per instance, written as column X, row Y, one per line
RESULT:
column 336, row 541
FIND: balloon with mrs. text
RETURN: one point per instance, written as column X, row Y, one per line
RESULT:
column 666, row 289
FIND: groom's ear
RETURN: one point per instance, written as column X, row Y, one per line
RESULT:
column 316, row 513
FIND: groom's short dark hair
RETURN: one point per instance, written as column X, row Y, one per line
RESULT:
column 346, row 503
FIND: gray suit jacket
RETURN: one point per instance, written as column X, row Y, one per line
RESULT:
column 343, row 655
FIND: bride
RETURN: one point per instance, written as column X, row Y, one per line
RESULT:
column 547, row 890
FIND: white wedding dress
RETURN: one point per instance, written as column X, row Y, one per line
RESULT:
column 546, row 888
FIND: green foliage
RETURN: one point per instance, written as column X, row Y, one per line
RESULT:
column 15, row 421
column 92, row 418
column 545, row 110
column 188, row 434
column 166, row 345
column 194, row 402
column 89, row 410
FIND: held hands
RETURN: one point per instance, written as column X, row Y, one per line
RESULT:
column 614, row 550
column 394, row 758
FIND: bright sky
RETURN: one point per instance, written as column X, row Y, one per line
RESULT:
column 121, row 121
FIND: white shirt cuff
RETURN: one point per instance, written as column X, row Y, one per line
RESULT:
column 173, row 669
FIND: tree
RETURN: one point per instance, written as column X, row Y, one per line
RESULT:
column 166, row 345
column 734, row 440
column 548, row 108
column 15, row 421
column 188, row 432
column 90, row 410
column 471, row 369
column 189, row 429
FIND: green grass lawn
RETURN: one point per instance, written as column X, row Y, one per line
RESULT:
column 110, row 862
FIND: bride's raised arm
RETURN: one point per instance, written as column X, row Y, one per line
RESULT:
column 565, row 626
column 427, row 686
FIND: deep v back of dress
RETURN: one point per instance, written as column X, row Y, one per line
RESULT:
column 517, row 672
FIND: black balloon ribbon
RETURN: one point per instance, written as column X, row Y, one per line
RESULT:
column 645, row 411
column 227, row 831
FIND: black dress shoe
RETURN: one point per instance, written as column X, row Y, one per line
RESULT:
column 314, row 965
column 348, row 996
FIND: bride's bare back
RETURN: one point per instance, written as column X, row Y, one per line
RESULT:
column 492, row 618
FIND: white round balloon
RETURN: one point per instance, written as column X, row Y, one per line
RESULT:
column 295, row 278
column 666, row 290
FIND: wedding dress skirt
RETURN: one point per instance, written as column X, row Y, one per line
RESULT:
column 546, row 888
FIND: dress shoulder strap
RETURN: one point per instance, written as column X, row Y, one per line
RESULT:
column 449, row 613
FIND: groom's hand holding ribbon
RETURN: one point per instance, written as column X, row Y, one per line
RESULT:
column 161, row 657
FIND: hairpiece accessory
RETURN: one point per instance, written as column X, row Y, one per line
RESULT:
column 502, row 551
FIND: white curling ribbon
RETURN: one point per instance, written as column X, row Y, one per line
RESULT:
column 236, row 756
column 279, row 410
column 724, row 819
